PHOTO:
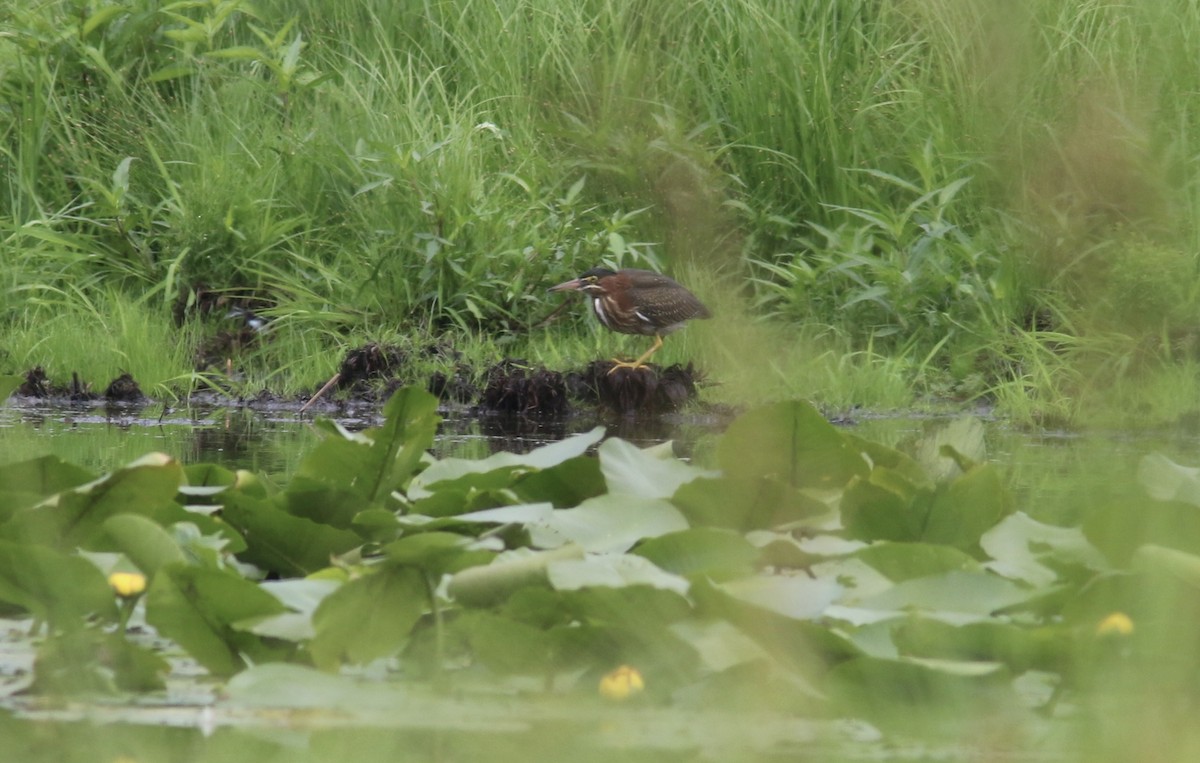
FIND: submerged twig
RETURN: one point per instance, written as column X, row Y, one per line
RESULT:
column 332, row 381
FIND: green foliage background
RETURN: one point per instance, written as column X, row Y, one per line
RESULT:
column 962, row 198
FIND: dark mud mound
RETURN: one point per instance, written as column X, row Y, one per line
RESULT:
column 631, row 391
column 38, row 385
column 370, row 362
column 512, row 387
column 124, row 389
column 456, row 388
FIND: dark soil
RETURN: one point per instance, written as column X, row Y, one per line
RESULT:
column 512, row 386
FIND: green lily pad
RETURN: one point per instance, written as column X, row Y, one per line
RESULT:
column 59, row 588
column 198, row 607
column 792, row 443
column 368, row 617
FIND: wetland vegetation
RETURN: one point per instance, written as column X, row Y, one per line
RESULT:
column 885, row 203
column 888, row 205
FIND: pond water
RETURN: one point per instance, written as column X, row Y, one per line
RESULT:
column 1054, row 476
column 1053, row 473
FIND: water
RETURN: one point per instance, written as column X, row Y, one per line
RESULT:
column 1055, row 476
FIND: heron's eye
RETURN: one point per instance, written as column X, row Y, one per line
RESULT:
column 590, row 279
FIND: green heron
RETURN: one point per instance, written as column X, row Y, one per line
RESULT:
column 637, row 302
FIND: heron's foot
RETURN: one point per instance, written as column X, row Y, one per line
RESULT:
column 631, row 364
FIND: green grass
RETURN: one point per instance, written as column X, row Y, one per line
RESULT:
column 893, row 196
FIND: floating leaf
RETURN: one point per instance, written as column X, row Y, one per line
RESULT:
column 609, row 523
column 631, row 470
column 952, row 449
column 885, row 690
column 369, row 617
column 366, row 466
column 716, row 554
column 509, row 572
column 746, row 504
column 800, row 598
column 790, row 442
column 1020, row 648
column 967, row 507
column 58, row 588
column 904, row 561
column 144, row 541
column 198, row 606
column 92, row 661
column 800, row 645
column 1028, row 550
column 499, row 469
column 147, row 486
column 955, row 596
column 26, row 483
column 1165, row 480
column 611, row 571
column 282, row 542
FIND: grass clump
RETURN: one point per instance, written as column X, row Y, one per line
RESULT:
column 914, row 183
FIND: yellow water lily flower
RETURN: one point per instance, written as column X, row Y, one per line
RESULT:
column 621, row 683
column 127, row 584
column 1116, row 624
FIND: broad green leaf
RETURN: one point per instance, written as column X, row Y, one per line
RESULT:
column 73, row 518
column 301, row 597
column 1178, row 565
column 905, row 561
column 611, row 571
column 608, row 523
column 719, row 644
column 875, row 509
column 1119, row 528
column 295, row 686
column 58, row 588
column 372, row 464
column 796, row 597
column 1021, row 648
column 1165, row 480
column 436, row 553
column 91, row 661
column 144, row 541
column 800, row 645
column 630, row 470
column 746, row 504
column 716, row 554
column 887, row 690
column 209, row 475
column 569, row 483
column 369, row 617
column 509, row 572
column 197, row 608
column 507, row 646
column 957, row 596
column 964, row 436
column 499, row 469
column 26, row 483
column 281, row 542
column 1025, row 549
column 790, row 442
column 964, row 509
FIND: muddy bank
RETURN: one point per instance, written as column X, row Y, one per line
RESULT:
column 368, row 374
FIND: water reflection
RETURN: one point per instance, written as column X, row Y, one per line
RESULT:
column 1056, row 476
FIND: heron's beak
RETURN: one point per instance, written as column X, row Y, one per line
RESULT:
column 573, row 285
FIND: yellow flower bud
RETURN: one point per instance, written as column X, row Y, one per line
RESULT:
column 127, row 584
column 621, row 683
column 1116, row 624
